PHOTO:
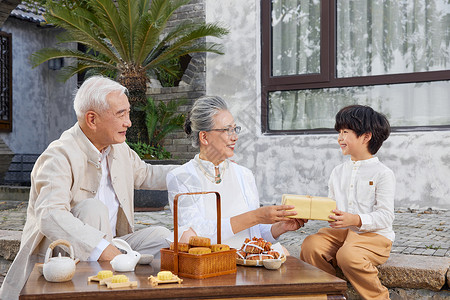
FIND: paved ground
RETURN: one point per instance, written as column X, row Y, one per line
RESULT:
column 418, row 232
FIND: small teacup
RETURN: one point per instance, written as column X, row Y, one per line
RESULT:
column 272, row 264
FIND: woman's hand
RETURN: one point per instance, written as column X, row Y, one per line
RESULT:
column 344, row 219
column 285, row 226
column 274, row 213
column 264, row 215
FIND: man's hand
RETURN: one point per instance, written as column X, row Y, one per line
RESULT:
column 344, row 219
column 109, row 253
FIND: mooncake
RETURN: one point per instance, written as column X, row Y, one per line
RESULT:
column 165, row 275
column 199, row 250
column 119, row 279
column 219, row 247
column 182, row 247
column 104, row 274
column 198, row 241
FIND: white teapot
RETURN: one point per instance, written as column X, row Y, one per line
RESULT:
column 124, row 262
column 59, row 269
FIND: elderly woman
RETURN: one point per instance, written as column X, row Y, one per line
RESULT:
column 212, row 128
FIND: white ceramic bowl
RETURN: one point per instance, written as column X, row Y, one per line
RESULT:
column 272, row 264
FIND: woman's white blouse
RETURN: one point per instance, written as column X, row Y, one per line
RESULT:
column 238, row 195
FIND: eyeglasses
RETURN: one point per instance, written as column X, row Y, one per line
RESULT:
column 230, row 130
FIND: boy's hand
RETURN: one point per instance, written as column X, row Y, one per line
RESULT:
column 292, row 224
column 344, row 219
column 284, row 226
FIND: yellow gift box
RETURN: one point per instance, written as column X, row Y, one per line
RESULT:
column 309, row 207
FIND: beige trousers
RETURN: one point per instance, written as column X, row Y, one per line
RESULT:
column 145, row 241
column 356, row 254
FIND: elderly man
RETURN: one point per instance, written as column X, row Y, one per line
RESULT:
column 82, row 187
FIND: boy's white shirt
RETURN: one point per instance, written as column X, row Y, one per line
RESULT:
column 366, row 188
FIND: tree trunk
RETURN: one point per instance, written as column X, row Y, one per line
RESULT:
column 136, row 83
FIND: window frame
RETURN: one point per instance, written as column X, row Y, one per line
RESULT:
column 327, row 77
column 6, row 125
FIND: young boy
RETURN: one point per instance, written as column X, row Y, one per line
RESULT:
column 361, row 236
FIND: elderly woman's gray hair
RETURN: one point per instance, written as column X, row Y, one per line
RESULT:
column 92, row 95
column 201, row 116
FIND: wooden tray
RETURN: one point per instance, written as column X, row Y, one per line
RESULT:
column 156, row 281
column 118, row 285
column 194, row 265
column 100, row 281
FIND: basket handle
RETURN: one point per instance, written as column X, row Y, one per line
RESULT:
column 175, row 219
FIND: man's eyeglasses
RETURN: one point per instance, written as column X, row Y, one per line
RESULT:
column 230, row 130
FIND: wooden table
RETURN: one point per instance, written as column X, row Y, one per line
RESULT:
column 294, row 280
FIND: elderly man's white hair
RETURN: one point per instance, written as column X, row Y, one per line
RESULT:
column 92, row 95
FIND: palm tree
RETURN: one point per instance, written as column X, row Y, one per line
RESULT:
column 128, row 40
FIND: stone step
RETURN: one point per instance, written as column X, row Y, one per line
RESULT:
column 14, row 193
column 415, row 272
column 9, row 246
column 9, row 243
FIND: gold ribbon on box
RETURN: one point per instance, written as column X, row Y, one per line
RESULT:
column 310, row 207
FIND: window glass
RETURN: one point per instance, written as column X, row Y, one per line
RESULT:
column 412, row 104
column 377, row 37
column 295, row 37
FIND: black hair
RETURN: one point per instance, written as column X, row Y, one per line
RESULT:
column 187, row 124
column 363, row 119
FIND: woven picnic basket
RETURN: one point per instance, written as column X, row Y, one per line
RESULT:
column 198, row 266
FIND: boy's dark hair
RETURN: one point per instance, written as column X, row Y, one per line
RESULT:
column 362, row 119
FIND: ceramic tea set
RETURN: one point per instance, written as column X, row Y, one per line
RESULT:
column 61, row 268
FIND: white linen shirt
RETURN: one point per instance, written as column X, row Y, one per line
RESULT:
column 193, row 213
column 366, row 188
column 105, row 194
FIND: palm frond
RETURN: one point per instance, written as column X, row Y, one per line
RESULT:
column 91, row 69
column 129, row 11
column 78, row 28
column 161, row 10
column 146, row 38
column 169, row 73
column 173, row 69
column 154, row 24
column 126, row 36
column 151, row 117
column 101, row 71
column 189, row 43
column 144, row 5
column 201, row 47
column 46, row 54
column 109, row 17
column 85, row 61
column 149, row 29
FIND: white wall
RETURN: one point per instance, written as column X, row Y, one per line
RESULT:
column 42, row 104
column 302, row 164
